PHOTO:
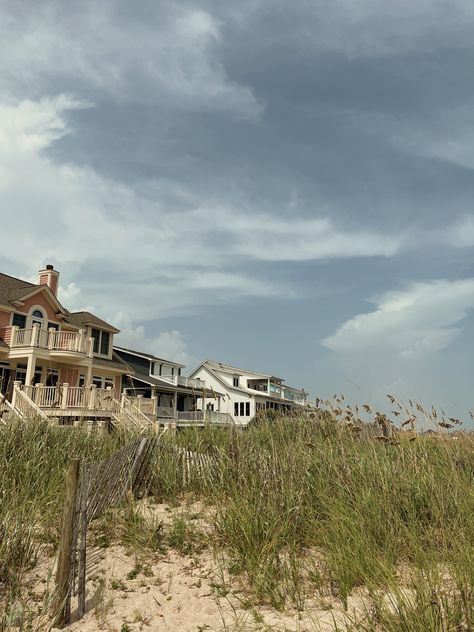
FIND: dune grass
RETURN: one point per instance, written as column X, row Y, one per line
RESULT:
column 300, row 507
column 306, row 505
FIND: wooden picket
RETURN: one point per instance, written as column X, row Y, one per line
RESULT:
column 97, row 487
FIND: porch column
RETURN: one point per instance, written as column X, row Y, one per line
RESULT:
column 35, row 331
column 80, row 340
column 89, row 375
column 30, row 370
column 175, row 404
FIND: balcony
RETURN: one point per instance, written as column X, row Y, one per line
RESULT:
column 57, row 343
column 181, row 380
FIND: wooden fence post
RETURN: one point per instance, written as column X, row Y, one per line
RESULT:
column 63, row 572
column 81, row 591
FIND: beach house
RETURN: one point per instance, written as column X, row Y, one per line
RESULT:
column 52, row 359
column 156, row 386
column 246, row 393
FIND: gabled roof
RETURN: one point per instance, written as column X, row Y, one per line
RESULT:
column 148, row 356
column 81, row 319
column 215, row 367
column 227, row 368
column 13, row 290
column 153, row 381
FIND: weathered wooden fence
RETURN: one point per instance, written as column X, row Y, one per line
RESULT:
column 91, row 489
column 191, row 464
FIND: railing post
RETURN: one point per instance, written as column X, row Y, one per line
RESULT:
column 35, row 335
column 80, row 340
column 51, row 332
column 154, row 399
column 64, row 396
column 92, row 397
column 140, row 399
column 40, row 396
column 90, row 351
column 16, row 387
column 14, row 335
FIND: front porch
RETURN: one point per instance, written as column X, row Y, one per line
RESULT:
column 65, row 404
column 181, row 410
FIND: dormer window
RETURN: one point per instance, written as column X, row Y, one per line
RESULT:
column 101, row 341
column 236, row 380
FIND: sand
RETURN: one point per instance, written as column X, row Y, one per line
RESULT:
column 173, row 592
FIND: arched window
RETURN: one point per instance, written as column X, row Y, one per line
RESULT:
column 37, row 318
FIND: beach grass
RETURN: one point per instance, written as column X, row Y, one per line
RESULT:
column 301, row 507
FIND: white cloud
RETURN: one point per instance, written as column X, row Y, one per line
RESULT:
column 409, row 323
column 128, row 244
column 168, row 56
column 169, row 345
column 461, row 234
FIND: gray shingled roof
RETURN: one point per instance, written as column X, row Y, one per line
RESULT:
column 148, row 356
column 86, row 318
column 227, row 368
column 12, row 288
column 115, row 363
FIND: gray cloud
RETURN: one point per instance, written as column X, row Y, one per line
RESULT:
column 228, row 163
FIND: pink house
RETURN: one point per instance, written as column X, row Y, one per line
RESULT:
column 55, row 358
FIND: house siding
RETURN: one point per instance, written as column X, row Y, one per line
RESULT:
column 4, row 323
column 40, row 300
column 70, row 376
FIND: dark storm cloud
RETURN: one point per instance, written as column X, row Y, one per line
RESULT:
column 232, row 160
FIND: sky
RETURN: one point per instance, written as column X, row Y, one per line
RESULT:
column 282, row 186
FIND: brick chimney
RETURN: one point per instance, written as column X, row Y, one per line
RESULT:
column 50, row 277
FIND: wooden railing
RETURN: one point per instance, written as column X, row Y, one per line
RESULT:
column 209, row 416
column 135, row 414
column 191, row 415
column 182, row 380
column 66, row 341
column 167, row 412
column 51, row 339
column 6, row 408
column 147, row 405
column 26, row 406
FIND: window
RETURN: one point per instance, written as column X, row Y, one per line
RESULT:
column 236, row 380
column 104, row 343
column 210, row 407
column 103, row 382
column 96, row 335
column 97, row 381
column 52, row 377
column 247, row 409
column 82, row 379
column 236, row 409
column 37, row 318
column 101, row 341
column 19, row 320
column 53, row 326
column 20, row 373
column 242, row 409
